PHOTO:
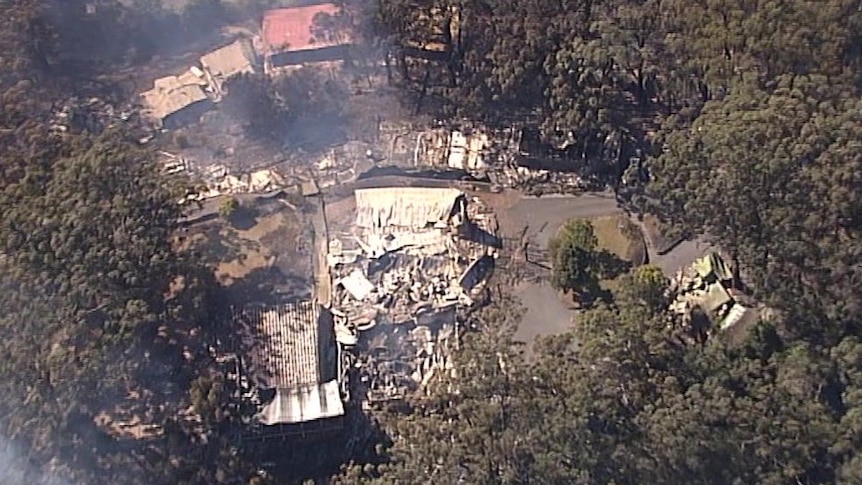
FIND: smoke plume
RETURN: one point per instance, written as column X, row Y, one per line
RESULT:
column 15, row 469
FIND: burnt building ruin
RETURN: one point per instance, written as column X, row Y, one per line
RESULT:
column 414, row 258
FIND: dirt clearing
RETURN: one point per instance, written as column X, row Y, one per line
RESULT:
column 266, row 255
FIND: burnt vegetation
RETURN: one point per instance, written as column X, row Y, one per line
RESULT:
column 737, row 120
column 287, row 110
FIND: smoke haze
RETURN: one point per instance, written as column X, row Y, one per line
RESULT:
column 14, row 469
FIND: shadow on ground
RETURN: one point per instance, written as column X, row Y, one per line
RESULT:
column 268, row 286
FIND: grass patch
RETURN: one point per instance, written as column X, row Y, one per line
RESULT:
column 620, row 246
column 621, row 237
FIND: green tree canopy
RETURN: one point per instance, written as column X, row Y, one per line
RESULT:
column 773, row 176
column 645, row 285
column 574, row 257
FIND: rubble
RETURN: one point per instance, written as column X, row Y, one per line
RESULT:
column 484, row 154
column 218, row 180
column 414, row 258
column 91, row 114
column 173, row 164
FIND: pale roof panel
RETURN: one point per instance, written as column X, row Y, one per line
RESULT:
column 173, row 93
column 230, row 60
column 357, row 284
column 404, row 207
column 302, row 404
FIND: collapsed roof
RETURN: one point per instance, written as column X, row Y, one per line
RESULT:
column 410, row 208
column 417, row 260
column 173, row 94
column 707, row 284
column 228, row 61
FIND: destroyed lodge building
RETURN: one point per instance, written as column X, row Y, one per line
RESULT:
column 400, row 272
column 414, row 257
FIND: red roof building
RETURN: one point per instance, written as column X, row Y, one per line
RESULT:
column 299, row 35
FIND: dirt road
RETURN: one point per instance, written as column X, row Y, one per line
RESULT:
column 545, row 312
column 680, row 256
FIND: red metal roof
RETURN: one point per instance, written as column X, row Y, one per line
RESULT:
column 293, row 29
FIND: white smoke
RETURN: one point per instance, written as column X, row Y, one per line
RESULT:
column 15, row 470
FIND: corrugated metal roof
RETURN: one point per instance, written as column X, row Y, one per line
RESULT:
column 285, row 345
column 404, row 207
column 230, row 60
column 294, row 29
column 288, row 349
column 302, row 404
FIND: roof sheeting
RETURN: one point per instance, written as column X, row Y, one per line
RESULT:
column 290, row 346
column 357, row 284
column 405, row 207
column 737, row 312
column 173, row 93
column 420, row 243
column 296, row 29
column 302, row 404
column 285, row 344
column 230, row 60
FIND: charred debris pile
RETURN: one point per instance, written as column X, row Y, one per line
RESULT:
column 402, row 275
